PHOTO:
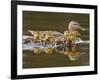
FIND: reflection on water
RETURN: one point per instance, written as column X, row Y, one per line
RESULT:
column 54, row 57
column 72, row 54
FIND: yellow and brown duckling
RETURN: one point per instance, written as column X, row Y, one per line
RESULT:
column 37, row 36
column 48, row 38
column 49, row 50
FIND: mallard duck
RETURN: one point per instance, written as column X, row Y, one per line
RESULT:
column 71, row 34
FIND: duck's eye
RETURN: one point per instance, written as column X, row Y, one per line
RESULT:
column 75, row 24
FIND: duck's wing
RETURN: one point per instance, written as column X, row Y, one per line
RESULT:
column 55, row 33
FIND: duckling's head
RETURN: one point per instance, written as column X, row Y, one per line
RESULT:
column 74, row 25
column 37, row 34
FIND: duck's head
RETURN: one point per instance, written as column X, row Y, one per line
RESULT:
column 73, row 25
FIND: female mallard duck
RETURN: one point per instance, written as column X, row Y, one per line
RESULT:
column 71, row 34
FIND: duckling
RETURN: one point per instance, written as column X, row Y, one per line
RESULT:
column 48, row 38
column 37, row 36
column 66, row 34
column 49, row 50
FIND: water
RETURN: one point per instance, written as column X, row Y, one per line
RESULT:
column 43, row 21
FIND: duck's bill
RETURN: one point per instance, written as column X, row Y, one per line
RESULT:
column 83, row 29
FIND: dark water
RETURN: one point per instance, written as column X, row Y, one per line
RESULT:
column 43, row 21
